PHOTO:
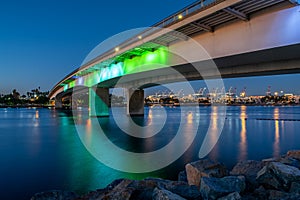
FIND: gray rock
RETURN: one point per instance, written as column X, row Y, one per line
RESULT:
column 249, row 169
column 162, row 194
column 184, row 190
column 117, row 190
column 145, row 194
column 279, row 195
column 278, row 175
column 260, row 193
column 204, row 168
column 144, row 188
column 55, row 195
column 267, row 178
column 294, row 154
column 213, row 188
column 150, row 183
column 122, row 194
column 121, row 191
column 232, row 196
column 295, row 188
column 113, row 184
column 182, row 176
column 101, row 193
column 290, row 161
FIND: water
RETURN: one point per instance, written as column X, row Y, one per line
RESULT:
column 41, row 150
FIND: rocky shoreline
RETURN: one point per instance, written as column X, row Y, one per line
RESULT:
column 274, row 178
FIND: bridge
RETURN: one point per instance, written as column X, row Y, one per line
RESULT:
column 241, row 37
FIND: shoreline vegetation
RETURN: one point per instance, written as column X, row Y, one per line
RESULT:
column 27, row 106
column 272, row 178
column 34, row 98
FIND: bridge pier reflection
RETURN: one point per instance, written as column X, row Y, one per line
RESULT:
column 98, row 102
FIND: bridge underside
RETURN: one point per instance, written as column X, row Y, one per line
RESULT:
column 280, row 60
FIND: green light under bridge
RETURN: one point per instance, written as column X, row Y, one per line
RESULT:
column 145, row 62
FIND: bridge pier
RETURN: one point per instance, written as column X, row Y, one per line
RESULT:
column 135, row 102
column 58, row 103
column 98, row 102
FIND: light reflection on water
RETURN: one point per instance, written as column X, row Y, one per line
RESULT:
column 243, row 134
column 41, row 150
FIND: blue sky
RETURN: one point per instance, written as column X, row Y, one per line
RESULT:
column 42, row 41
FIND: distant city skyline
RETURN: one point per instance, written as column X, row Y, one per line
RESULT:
column 278, row 83
column 41, row 42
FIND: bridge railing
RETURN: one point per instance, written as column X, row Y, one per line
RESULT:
column 175, row 17
column 195, row 7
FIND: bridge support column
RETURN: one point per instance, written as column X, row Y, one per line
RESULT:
column 98, row 102
column 58, row 103
column 135, row 102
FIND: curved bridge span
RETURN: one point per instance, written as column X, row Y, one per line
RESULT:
column 242, row 38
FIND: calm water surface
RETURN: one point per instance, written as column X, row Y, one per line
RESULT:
column 41, row 149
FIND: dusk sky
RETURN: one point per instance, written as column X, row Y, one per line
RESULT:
column 42, row 41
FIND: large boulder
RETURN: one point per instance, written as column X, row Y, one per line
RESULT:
column 294, row 154
column 290, row 161
column 249, row 169
column 162, row 194
column 204, row 168
column 150, row 183
column 278, row 176
column 55, row 195
column 143, row 189
column 183, row 190
column 213, row 188
column 291, row 158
